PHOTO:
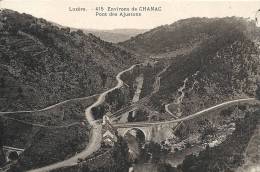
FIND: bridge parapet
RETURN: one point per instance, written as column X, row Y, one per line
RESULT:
column 153, row 129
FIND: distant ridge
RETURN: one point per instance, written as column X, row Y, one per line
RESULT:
column 185, row 33
column 115, row 35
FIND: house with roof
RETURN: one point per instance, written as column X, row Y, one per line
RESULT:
column 108, row 132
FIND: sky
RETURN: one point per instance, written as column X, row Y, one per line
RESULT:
column 172, row 10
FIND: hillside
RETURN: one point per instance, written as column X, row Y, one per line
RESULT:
column 222, row 64
column 182, row 34
column 219, row 70
column 42, row 64
column 227, row 156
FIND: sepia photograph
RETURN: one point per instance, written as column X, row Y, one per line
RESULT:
column 129, row 86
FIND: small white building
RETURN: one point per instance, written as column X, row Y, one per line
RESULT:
column 108, row 132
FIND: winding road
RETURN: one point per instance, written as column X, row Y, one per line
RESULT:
column 169, row 112
column 102, row 96
column 96, row 135
column 96, row 130
column 221, row 105
column 49, row 107
column 93, row 145
column 5, row 114
column 43, row 126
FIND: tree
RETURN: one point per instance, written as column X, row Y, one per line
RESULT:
column 154, row 149
column 120, row 156
column 188, row 162
column 206, row 128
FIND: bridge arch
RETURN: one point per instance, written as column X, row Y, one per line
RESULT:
column 12, row 153
column 138, row 132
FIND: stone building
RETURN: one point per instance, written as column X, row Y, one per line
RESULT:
column 108, row 132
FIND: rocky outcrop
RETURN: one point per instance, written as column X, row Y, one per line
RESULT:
column 227, row 156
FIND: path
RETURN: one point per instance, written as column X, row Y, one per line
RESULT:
column 95, row 136
column 232, row 102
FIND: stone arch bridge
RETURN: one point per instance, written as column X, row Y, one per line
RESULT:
column 8, row 150
column 156, row 131
column 151, row 132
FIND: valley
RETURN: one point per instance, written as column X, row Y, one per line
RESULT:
column 175, row 98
